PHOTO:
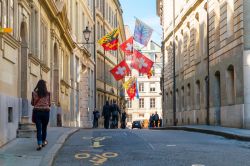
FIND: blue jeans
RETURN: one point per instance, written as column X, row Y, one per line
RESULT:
column 42, row 120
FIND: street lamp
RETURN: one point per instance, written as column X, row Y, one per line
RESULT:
column 86, row 34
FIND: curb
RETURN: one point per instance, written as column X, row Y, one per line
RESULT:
column 48, row 159
column 207, row 131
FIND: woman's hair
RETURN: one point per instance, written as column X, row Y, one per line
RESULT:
column 41, row 88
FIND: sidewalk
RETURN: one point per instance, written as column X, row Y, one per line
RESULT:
column 22, row 151
column 232, row 133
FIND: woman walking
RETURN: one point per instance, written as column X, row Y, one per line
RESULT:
column 41, row 102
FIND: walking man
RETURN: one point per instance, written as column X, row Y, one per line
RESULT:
column 106, row 114
column 156, row 119
column 96, row 117
column 115, row 112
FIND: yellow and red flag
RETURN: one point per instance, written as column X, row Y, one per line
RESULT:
column 110, row 40
column 5, row 30
column 132, row 91
column 150, row 73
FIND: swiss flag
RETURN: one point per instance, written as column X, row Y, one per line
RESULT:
column 120, row 70
column 141, row 62
column 127, row 46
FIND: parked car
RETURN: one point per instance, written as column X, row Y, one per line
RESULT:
column 136, row 124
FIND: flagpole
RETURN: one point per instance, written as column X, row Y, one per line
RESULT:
column 174, row 81
column 105, row 97
column 117, row 52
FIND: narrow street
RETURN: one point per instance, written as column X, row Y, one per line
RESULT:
column 147, row 147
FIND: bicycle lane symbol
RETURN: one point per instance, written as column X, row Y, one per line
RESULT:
column 96, row 159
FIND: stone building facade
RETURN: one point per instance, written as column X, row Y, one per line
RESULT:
column 108, row 17
column 214, row 32
column 43, row 45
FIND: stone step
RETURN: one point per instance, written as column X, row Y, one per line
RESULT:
column 26, row 133
column 27, row 126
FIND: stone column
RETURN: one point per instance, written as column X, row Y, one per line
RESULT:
column 246, row 77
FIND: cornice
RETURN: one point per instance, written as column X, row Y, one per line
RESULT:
column 58, row 18
column 183, row 18
column 27, row 5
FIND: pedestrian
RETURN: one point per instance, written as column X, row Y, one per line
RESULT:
column 160, row 122
column 156, row 119
column 59, row 115
column 106, row 114
column 123, row 122
column 96, row 117
column 115, row 113
column 41, row 102
column 151, row 121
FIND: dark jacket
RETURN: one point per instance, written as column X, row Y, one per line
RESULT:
column 115, row 110
column 106, row 111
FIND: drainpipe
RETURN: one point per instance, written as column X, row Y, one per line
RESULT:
column 174, row 80
column 207, row 79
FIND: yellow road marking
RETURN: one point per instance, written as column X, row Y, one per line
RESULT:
column 82, row 155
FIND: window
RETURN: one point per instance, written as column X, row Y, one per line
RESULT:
column 152, row 87
column 76, row 23
column 129, row 103
column 11, row 24
column 230, row 85
column 197, row 36
column 141, row 87
column 10, row 114
column 152, row 102
column 141, row 103
column 43, row 33
column 129, row 118
column 198, row 94
column 182, row 98
column 188, row 96
column 230, row 21
column 1, row 5
column 4, row 13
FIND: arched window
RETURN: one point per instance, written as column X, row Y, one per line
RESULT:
column 203, row 30
column 217, row 90
column 182, row 98
column 171, row 101
column 177, row 53
column 217, row 23
column 180, row 50
column 198, row 94
column 187, row 45
column 177, row 100
column 230, row 85
column 230, row 21
column 197, row 36
column 188, row 97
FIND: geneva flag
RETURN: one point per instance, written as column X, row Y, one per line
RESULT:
column 110, row 40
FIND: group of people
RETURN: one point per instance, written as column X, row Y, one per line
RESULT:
column 110, row 112
column 155, row 121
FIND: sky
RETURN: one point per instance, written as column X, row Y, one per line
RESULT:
column 145, row 10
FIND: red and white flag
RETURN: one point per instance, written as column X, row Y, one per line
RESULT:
column 141, row 63
column 120, row 70
column 127, row 46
